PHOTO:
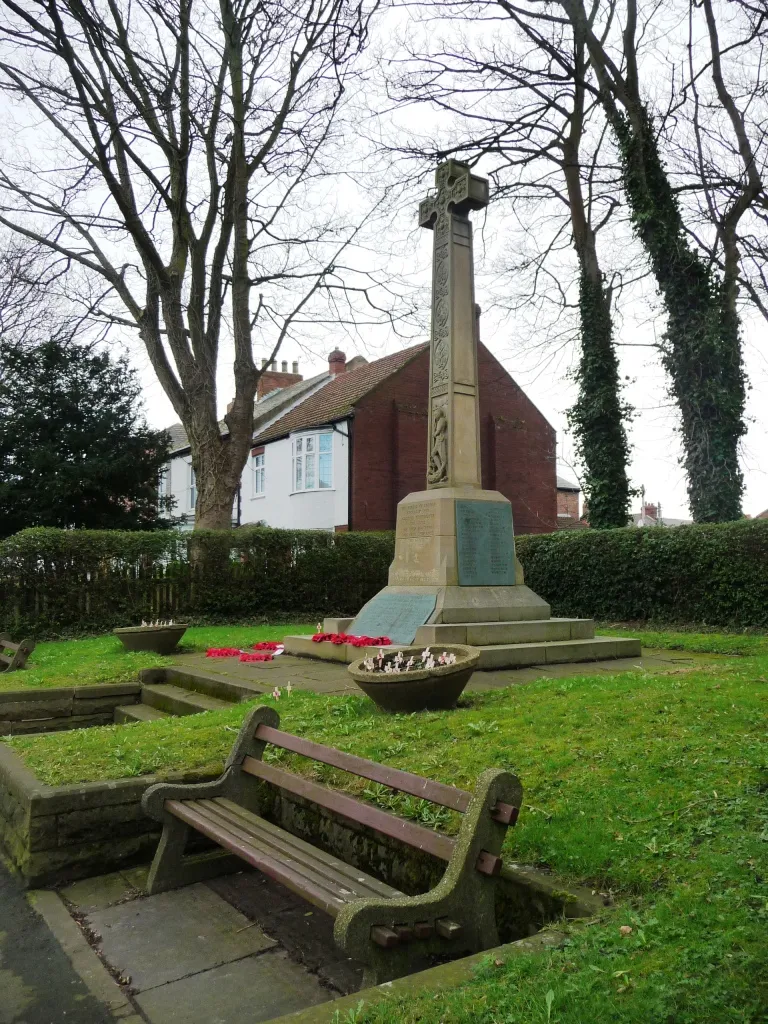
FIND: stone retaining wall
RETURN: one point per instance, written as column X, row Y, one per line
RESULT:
column 70, row 707
column 52, row 834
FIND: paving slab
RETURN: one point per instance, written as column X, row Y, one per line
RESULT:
column 92, row 894
column 305, row 932
column 256, row 988
column 159, row 939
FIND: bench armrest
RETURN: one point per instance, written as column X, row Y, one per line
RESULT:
column 246, row 745
column 153, row 800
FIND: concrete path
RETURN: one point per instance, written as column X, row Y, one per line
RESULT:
column 238, row 949
column 38, row 984
column 332, row 677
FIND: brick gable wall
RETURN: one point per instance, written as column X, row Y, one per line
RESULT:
column 389, row 447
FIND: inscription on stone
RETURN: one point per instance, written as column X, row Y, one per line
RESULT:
column 485, row 544
column 397, row 616
column 416, row 520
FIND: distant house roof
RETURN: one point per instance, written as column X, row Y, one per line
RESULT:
column 640, row 520
column 762, row 515
column 566, row 485
column 336, row 399
column 264, row 411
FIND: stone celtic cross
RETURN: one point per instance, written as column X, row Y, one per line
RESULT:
column 454, row 425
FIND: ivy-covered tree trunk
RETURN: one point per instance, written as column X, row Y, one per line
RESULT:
column 702, row 345
column 597, row 418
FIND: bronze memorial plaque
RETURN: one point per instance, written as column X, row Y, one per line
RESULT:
column 485, row 543
column 397, row 616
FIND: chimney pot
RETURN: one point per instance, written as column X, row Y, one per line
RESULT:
column 337, row 362
column 263, row 364
column 294, row 367
column 284, row 366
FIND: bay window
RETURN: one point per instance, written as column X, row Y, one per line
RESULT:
column 313, row 462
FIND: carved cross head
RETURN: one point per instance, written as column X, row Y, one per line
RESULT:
column 458, row 192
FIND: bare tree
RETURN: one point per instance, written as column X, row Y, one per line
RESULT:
column 722, row 160
column 177, row 151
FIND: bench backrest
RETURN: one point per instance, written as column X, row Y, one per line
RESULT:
column 19, row 652
column 409, row 832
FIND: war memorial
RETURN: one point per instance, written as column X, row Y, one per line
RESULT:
column 455, row 577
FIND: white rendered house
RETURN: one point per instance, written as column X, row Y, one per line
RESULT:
column 298, row 481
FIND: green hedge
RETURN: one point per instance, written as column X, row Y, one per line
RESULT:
column 715, row 575
column 57, row 582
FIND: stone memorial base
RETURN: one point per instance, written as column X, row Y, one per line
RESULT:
column 455, row 580
column 518, row 644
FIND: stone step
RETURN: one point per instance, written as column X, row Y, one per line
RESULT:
column 557, row 652
column 482, row 634
column 496, row 655
column 213, row 684
column 178, row 701
column 138, row 713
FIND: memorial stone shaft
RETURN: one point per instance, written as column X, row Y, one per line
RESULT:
column 453, row 458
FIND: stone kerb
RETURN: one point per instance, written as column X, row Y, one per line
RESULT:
column 53, row 833
column 72, row 707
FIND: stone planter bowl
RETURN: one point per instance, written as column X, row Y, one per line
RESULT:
column 423, row 690
column 158, row 639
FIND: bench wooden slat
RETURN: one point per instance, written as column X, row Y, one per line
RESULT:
column 281, row 870
column 404, row 782
column 389, row 824
column 317, row 860
column 339, row 891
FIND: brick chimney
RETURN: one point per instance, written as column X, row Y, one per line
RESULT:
column 271, row 378
column 650, row 511
column 337, row 362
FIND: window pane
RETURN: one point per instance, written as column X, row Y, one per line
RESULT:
column 325, row 474
column 309, row 472
column 297, row 443
column 309, row 444
column 325, row 442
column 258, row 474
column 299, row 484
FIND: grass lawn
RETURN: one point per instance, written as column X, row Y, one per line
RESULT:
column 102, row 659
column 704, row 643
column 653, row 787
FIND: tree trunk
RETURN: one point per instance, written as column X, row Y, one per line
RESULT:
column 702, row 343
column 598, row 416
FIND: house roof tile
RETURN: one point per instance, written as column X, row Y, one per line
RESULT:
column 336, row 400
column 566, row 485
column 263, row 411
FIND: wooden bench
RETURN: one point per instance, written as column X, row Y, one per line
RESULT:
column 19, row 653
column 391, row 933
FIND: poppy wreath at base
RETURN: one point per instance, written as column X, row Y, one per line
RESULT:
column 353, row 641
